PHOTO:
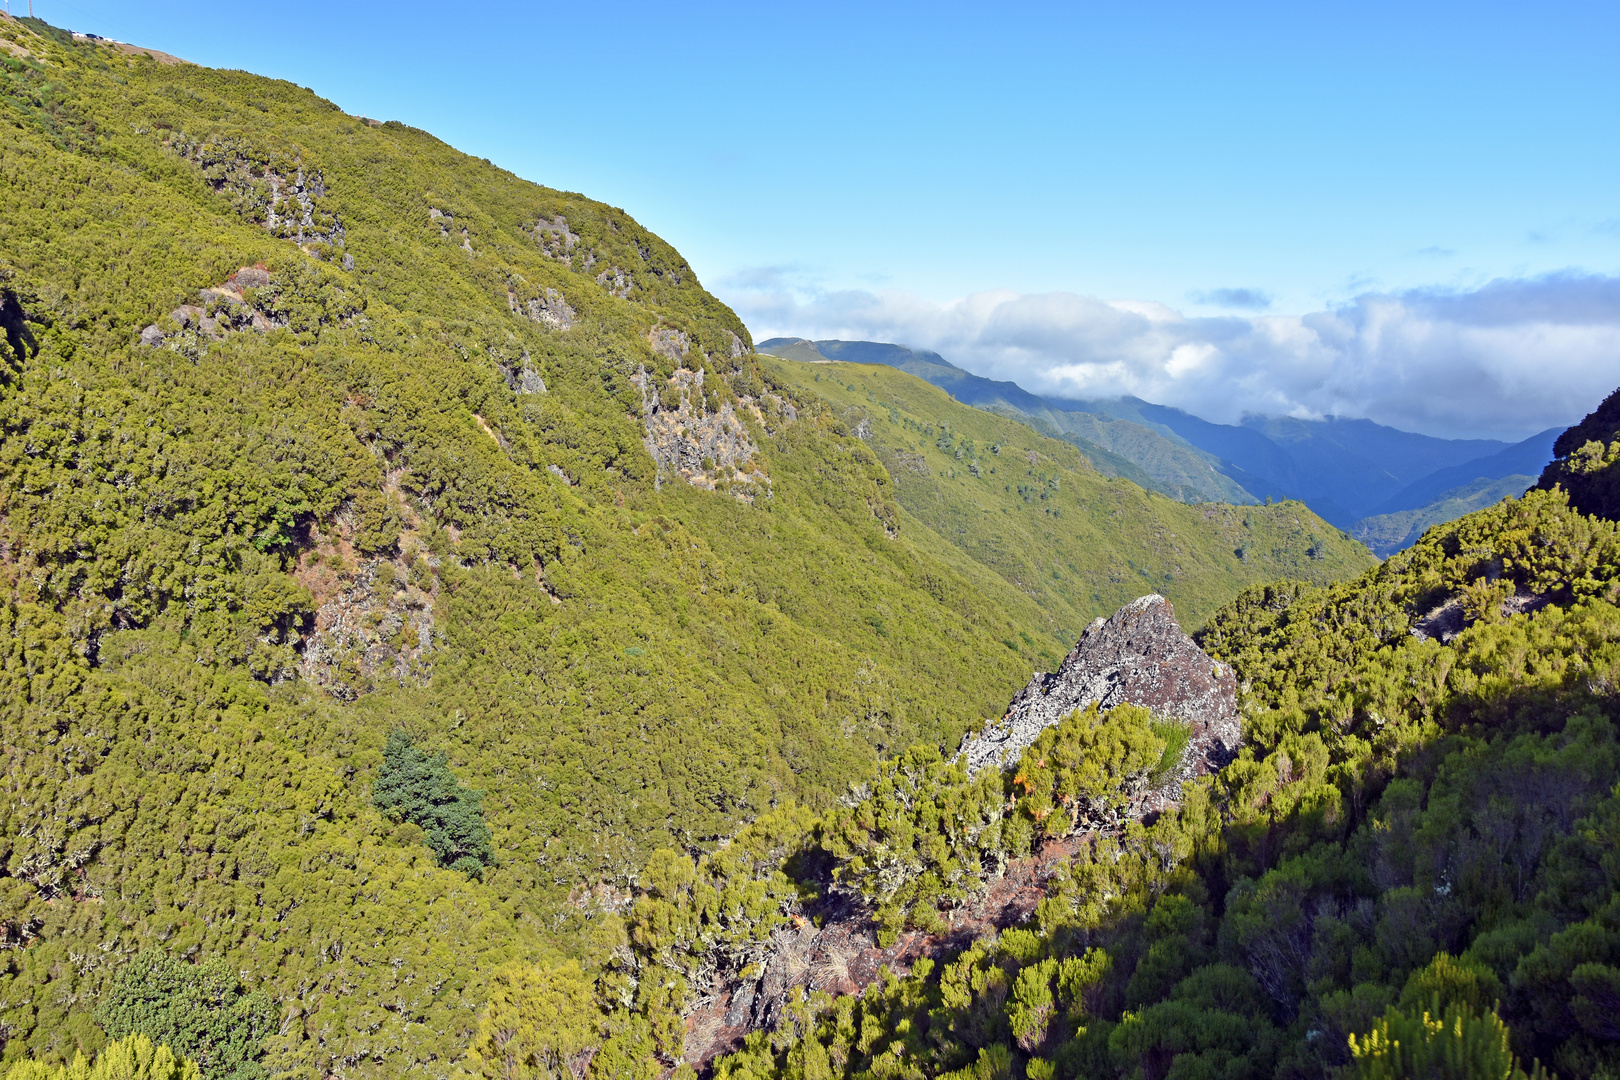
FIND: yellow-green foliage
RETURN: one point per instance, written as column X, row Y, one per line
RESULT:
column 537, row 1019
column 1587, row 461
column 620, row 666
column 1085, row 764
column 1034, row 511
column 132, row 1058
column 923, row 832
column 1456, row 1044
column 1419, row 846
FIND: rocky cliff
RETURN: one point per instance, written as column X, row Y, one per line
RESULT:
column 1139, row 656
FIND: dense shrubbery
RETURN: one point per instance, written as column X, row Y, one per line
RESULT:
column 190, row 839
column 619, row 668
column 233, row 561
column 1587, row 461
column 1033, row 510
column 200, row 1011
column 1419, row 843
column 133, row 1058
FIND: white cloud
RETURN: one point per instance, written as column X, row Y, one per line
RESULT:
column 1501, row 361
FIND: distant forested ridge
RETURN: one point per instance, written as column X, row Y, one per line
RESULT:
column 397, row 556
column 1382, row 485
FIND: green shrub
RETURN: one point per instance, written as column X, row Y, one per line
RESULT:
column 1451, row 1043
column 419, row 788
column 200, row 1011
column 131, row 1058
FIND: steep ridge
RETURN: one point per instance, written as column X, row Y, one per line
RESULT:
column 317, row 432
column 1139, row 656
column 831, row 942
column 1527, row 458
column 1032, row 510
column 1415, row 843
column 1586, row 461
column 1156, row 459
column 1345, row 470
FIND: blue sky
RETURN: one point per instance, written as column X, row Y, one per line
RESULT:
column 1252, row 162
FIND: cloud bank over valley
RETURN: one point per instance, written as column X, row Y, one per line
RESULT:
column 1503, row 360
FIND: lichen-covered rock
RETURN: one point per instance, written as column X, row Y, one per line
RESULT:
column 550, row 309
column 669, row 343
column 1139, row 656
column 617, row 281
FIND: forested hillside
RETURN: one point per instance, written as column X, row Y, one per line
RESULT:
column 1411, row 869
column 394, row 554
column 1034, row 511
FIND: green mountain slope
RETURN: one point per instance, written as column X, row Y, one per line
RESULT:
column 1149, row 455
column 1386, row 534
column 314, row 430
column 1416, row 843
column 1032, row 509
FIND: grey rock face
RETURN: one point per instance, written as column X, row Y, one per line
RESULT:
column 707, row 449
column 1138, row 656
column 1445, row 622
column 550, row 309
column 529, row 380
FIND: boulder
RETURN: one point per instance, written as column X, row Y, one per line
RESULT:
column 1139, row 656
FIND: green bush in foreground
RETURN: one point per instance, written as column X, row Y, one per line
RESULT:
column 200, row 1010
column 1418, row 846
column 1457, row 1043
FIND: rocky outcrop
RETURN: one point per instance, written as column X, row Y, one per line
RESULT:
column 708, row 448
column 221, row 309
column 374, row 615
column 1444, row 622
column 1140, row 656
column 692, row 430
column 375, row 623
column 548, row 308
column 617, row 282
column 555, row 238
column 258, row 185
column 526, row 380
column 293, row 213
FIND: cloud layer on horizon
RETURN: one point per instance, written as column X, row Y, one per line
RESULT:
column 1502, row 361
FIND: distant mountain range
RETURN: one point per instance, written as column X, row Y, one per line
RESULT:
column 1383, row 485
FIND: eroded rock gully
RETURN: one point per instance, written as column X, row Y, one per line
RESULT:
column 1138, row 656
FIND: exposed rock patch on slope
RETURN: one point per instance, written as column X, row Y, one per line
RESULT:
column 692, row 431
column 1138, row 656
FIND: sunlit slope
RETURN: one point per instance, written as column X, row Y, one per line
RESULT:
column 1031, row 509
column 313, row 428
